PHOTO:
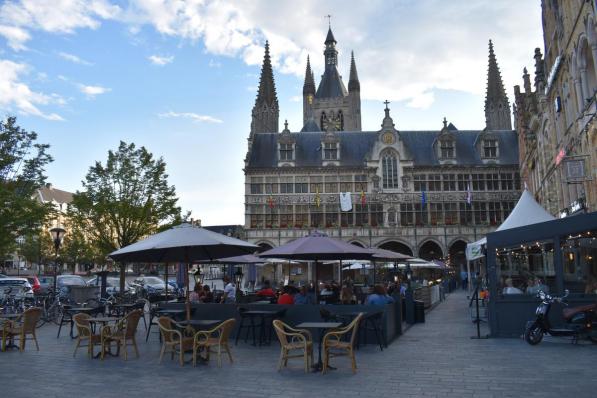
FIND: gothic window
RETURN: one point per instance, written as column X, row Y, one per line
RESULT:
column 389, row 167
column 490, row 148
column 285, row 151
column 286, row 218
column 435, row 182
column 420, row 182
column 492, row 182
column 450, row 213
column 449, row 182
column 406, row 214
column 331, row 184
column 340, row 119
column 463, row 182
column 360, row 183
column 323, row 121
column 376, row 210
column 447, row 149
column 330, row 150
column 331, row 215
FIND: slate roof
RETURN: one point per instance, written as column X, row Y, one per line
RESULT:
column 48, row 193
column 331, row 84
column 355, row 148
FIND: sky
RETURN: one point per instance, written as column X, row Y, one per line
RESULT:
column 180, row 77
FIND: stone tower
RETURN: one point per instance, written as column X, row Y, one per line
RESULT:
column 497, row 107
column 265, row 114
column 331, row 105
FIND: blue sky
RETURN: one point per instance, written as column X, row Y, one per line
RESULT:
column 180, row 77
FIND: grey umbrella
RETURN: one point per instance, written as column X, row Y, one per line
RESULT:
column 186, row 243
column 318, row 246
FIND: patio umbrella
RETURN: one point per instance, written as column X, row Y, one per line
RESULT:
column 389, row 255
column 318, row 246
column 186, row 243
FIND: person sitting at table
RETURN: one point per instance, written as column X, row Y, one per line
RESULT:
column 379, row 296
column 196, row 294
column 510, row 289
column 229, row 296
column 286, row 297
column 303, row 297
column 266, row 290
column 208, row 296
column 346, row 296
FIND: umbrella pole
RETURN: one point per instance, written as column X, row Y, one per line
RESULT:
column 188, row 300
column 166, row 280
column 341, row 280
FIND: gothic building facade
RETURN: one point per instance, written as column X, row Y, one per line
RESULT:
column 555, row 114
column 425, row 193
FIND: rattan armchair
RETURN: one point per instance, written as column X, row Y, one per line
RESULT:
column 25, row 327
column 173, row 340
column 334, row 346
column 292, row 339
column 85, row 334
column 214, row 338
column 123, row 334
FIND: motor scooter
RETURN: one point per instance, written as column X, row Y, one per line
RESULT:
column 581, row 322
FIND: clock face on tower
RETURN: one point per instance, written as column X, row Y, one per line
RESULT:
column 388, row 138
column 330, row 124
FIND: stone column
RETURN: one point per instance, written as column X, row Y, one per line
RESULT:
column 585, row 88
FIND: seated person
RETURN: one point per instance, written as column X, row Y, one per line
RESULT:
column 196, row 294
column 285, row 297
column 379, row 296
column 510, row 289
column 346, row 296
column 208, row 296
column 266, row 290
column 303, row 296
column 326, row 291
column 535, row 286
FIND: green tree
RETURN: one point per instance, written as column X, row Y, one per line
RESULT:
column 124, row 200
column 22, row 164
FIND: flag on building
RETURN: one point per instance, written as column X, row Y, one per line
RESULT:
column 469, row 194
column 363, row 198
column 345, row 201
column 270, row 202
column 317, row 198
column 423, row 198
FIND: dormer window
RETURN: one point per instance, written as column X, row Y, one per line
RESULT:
column 330, row 151
column 490, row 148
column 286, row 152
column 447, row 149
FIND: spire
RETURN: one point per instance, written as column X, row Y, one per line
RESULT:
column 330, row 37
column 353, row 81
column 264, row 118
column 267, row 87
column 388, row 122
column 309, row 86
column 497, row 107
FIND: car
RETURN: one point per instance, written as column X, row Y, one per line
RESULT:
column 150, row 285
column 112, row 284
column 34, row 281
column 46, row 283
column 65, row 282
column 3, row 276
column 20, row 287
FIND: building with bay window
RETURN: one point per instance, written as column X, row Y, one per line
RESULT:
column 424, row 193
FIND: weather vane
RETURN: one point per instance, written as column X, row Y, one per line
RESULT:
column 329, row 17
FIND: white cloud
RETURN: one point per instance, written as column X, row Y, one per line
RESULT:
column 15, row 95
column 190, row 115
column 74, row 59
column 15, row 36
column 52, row 16
column 161, row 61
column 92, row 91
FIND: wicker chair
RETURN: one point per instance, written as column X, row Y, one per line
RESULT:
column 22, row 329
column 293, row 339
column 173, row 340
column 123, row 333
column 85, row 333
column 216, row 337
column 333, row 346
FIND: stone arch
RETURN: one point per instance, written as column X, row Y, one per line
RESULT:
column 396, row 246
column 265, row 245
column 586, row 67
column 357, row 243
column 431, row 250
column 457, row 253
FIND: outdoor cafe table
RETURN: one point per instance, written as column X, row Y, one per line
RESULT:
column 322, row 327
column 8, row 317
column 200, row 323
column 123, row 308
column 104, row 321
column 263, row 315
column 73, row 311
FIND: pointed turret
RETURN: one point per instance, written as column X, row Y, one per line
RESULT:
column 265, row 112
column 330, row 37
column 353, row 81
column 309, row 86
column 497, row 107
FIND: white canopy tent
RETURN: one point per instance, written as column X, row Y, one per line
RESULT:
column 526, row 212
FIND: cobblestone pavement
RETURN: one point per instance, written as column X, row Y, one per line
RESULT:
column 437, row 358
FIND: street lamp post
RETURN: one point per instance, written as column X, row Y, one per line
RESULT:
column 57, row 236
column 410, row 303
column 198, row 276
column 238, row 279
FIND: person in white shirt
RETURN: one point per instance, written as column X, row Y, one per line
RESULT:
column 229, row 296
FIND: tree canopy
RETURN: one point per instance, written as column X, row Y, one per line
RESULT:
column 22, row 167
column 125, row 199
